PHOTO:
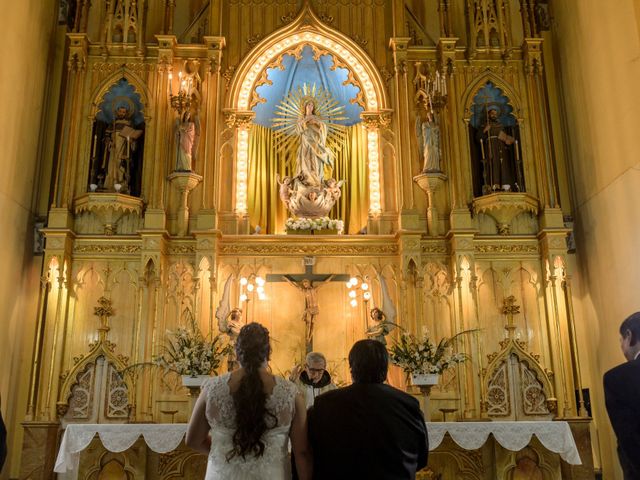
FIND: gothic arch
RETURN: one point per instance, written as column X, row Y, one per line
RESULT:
column 140, row 86
column 307, row 29
column 473, row 88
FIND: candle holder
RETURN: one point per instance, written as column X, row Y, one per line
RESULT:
column 182, row 101
column 431, row 88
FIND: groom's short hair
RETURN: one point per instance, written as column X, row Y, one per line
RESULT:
column 368, row 361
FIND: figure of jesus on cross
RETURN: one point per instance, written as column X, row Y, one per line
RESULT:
column 305, row 284
column 311, row 308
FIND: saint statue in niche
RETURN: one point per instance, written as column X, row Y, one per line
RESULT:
column 495, row 150
column 117, row 142
column 120, row 142
column 186, row 139
column 497, row 153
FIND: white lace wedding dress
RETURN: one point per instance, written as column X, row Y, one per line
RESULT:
column 274, row 464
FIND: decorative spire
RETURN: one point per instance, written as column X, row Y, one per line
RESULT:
column 510, row 308
column 103, row 311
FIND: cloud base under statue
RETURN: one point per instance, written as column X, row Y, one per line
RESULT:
column 309, row 201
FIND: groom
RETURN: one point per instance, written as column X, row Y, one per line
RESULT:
column 369, row 429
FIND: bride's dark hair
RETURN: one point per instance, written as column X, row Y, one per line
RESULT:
column 249, row 400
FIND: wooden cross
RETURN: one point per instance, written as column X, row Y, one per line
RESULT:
column 305, row 283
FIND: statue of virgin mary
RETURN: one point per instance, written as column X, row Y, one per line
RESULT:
column 313, row 153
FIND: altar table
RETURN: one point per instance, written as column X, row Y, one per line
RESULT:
column 163, row 438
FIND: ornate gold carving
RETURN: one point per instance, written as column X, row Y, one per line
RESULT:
column 104, row 311
column 238, row 118
column 78, row 50
column 108, row 207
column 504, row 207
column 254, row 39
column 431, row 248
column 310, row 249
column 101, row 249
column 501, row 248
column 100, row 348
column 228, row 74
column 377, row 120
column 363, row 42
column 182, row 249
column 288, row 18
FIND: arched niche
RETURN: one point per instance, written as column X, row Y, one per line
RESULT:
column 116, row 151
column 494, row 141
column 306, row 31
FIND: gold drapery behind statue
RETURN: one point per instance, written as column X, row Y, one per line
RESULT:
column 265, row 208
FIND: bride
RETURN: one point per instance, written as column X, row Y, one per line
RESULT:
column 244, row 419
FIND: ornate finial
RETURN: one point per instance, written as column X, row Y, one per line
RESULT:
column 510, row 308
column 104, row 311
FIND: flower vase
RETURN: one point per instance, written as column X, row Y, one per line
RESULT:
column 425, row 381
column 193, row 383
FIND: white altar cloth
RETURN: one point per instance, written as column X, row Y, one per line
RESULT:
column 554, row 436
column 165, row 437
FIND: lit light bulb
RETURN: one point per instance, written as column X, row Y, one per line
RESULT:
column 250, row 287
column 260, row 281
column 243, row 297
column 243, row 281
column 354, row 303
column 354, row 281
column 260, row 289
column 367, row 295
column 349, row 284
column 261, row 296
column 352, row 294
column 364, row 286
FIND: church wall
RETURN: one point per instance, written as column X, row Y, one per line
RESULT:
column 597, row 50
column 25, row 46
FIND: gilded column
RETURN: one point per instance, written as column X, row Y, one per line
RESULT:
column 213, row 95
column 402, row 129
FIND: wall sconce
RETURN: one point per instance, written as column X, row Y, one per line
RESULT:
column 182, row 101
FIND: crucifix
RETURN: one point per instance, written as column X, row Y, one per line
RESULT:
column 305, row 283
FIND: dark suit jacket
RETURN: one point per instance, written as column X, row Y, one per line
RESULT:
column 370, row 431
column 3, row 442
column 622, row 397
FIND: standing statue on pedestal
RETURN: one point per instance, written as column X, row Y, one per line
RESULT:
column 120, row 142
column 186, row 140
column 428, row 133
column 498, row 153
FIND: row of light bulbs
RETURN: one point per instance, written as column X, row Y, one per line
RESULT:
column 251, row 285
column 352, row 285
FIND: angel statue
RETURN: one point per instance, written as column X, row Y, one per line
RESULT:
column 383, row 318
column 229, row 320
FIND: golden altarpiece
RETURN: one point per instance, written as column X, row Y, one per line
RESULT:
column 144, row 232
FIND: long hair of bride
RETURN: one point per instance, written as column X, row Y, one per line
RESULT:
column 252, row 416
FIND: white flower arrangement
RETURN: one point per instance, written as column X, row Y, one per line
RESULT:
column 324, row 223
column 188, row 352
column 420, row 356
